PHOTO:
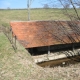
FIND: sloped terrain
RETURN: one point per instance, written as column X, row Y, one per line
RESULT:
column 19, row 65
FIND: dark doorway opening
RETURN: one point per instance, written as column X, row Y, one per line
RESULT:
column 53, row 48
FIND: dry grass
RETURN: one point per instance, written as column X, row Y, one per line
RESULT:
column 19, row 65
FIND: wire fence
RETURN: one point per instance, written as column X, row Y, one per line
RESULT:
column 9, row 34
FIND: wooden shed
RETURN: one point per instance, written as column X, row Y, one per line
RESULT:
column 46, row 33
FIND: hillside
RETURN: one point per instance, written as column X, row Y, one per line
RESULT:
column 36, row 14
column 19, row 65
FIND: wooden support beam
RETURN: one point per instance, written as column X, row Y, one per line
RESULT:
column 48, row 49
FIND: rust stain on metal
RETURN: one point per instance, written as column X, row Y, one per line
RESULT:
column 46, row 33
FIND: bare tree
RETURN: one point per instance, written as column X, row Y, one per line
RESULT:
column 65, row 8
column 46, row 6
column 77, row 3
column 73, row 5
column 70, row 4
column 8, row 8
column 28, row 6
column 66, row 3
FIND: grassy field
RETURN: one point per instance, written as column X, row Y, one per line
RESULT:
column 19, row 65
column 36, row 14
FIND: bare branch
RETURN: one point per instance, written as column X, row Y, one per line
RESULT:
column 74, row 9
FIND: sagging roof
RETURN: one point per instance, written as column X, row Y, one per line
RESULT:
column 45, row 33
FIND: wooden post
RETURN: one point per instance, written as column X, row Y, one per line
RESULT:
column 15, row 43
column 12, row 38
column 48, row 49
column 48, row 52
column 73, row 50
column 10, row 35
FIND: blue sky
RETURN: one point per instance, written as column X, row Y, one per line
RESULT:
column 19, row 3
column 22, row 3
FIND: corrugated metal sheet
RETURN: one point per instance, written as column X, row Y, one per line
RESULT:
column 45, row 33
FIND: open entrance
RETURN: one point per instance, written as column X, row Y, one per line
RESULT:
column 58, row 55
column 60, row 39
column 53, row 48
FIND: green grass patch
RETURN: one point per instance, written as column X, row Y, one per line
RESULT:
column 13, row 66
column 35, row 14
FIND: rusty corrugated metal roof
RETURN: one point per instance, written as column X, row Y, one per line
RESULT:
column 45, row 33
